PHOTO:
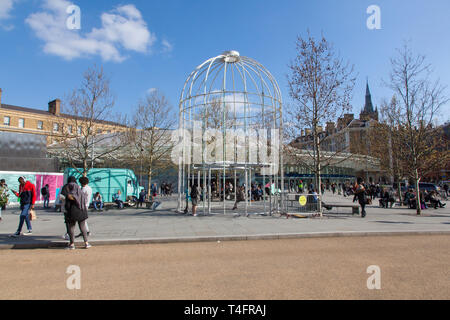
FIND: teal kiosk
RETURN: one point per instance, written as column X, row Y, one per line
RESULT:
column 109, row 181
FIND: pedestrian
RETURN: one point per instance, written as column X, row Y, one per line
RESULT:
column 87, row 190
column 3, row 183
column 360, row 193
column 4, row 197
column 27, row 195
column 45, row 192
column 188, row 198
column 141, row 199
column 75, row 211
column 194, row 199
column 239, row 197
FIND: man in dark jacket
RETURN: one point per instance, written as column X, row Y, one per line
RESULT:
column 360, row 193
column 27, row 195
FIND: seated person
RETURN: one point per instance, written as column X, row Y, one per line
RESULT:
column 435, row 201
column 97, row 202
column 387, row 199
column 116, row 199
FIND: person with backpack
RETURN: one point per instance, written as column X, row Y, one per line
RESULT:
column 75, row 211
column 45, row 192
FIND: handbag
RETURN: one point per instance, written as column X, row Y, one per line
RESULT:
column 32, row 215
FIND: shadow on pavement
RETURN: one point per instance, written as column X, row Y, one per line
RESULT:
column 394, row 222
column 30, row 242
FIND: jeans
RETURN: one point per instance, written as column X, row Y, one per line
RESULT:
column 46, row 202
column 119, row 204
column 96, row 203
column 24, row 216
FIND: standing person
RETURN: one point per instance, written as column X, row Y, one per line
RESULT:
column 188, row 198
column 75, row 211
column 240, row 197
column 87, row 190
column 4, row 185
column 27, row 195
column 141, row 199
column 360, row 193
column 3, row 196
column 45, row 192
column 194, row 199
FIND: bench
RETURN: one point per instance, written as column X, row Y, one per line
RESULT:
column 355, row 207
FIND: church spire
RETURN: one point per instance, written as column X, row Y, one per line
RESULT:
column 368, row 107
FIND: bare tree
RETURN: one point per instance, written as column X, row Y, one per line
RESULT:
column 320, row 84
column 419, row 101
column 387, row 143
column 151, row 134
column 91, row 131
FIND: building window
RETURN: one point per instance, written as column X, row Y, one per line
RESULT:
column 21, row 123
column 55, row 127
column 40, row 125
column 69, row 129
column 79, row 130
column 7, row 121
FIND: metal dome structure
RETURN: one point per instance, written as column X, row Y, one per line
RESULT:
column 230, row 124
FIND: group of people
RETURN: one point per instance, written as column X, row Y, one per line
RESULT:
column 410, row 199
column 74, row 201
column 166, row 189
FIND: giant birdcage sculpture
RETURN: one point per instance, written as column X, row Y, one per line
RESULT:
column 229, row 136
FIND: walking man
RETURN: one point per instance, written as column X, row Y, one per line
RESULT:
column 360, row 193
column 27, row 195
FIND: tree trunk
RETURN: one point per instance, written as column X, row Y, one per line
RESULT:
column 318, row 171
column 416, row 182
column 399, row 186
column 85, row 168
column 149, row 175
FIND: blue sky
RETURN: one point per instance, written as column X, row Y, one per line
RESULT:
column 170, row 38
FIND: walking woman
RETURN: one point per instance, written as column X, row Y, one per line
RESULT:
column 75, row 211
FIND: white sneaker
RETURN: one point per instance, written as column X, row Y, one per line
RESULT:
column 66, row 237
column 15, row 235
column 29, row 233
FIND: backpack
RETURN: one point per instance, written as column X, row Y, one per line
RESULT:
column 44, row 191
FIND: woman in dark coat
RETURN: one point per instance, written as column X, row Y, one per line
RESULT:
column 75, row 211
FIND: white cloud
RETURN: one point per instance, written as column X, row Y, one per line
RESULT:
column 167, row 46
column 6, row 7
column 151, row 90
column 123, row 28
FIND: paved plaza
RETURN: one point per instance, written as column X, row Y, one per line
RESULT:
column 163, row 225
column 410, row 267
